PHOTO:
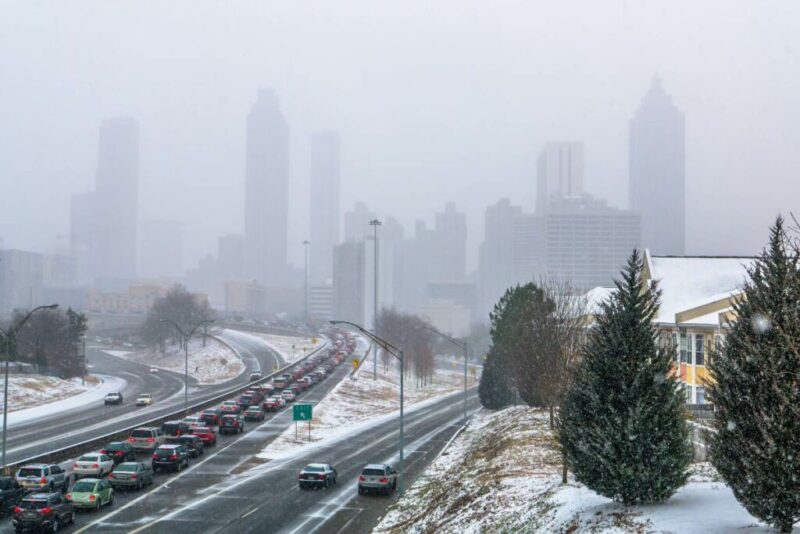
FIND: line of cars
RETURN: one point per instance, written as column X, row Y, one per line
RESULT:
column 40, row 498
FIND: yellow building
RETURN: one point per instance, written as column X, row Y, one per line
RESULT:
column 697, row 296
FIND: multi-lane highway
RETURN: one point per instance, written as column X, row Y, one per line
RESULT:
column 65, row 428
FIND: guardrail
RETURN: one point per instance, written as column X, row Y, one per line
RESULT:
column 70, row 451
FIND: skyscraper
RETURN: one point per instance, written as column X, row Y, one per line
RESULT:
column 496, row 255
column 266, row 191
column 356, row 223
column 116, row 202
column 559, row 172
column 450, row 236
column 324, row 204
column 657, row 172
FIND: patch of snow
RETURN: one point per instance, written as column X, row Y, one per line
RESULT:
column 53, row 395
column 291, row 348
column 213, row 364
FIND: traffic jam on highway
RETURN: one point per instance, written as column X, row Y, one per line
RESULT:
column 42, row 497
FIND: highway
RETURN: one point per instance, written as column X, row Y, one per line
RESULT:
column 62, row 429
column 235, row 492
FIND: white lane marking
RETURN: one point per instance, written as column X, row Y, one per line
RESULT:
column 251, row 511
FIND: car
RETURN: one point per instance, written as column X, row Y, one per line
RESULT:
column 288, row 395
column 254, row 413
column 113, row 398
column 154, row 370
column 42, row 477
column 206, row 435
column 95, row 464
column 119, row 451
column 245, row 400
column 129, row 475
column 10, row 494
column 231, row 424
column 229, row 407
column 378, row 478
column 174, row 457
column 193, row 443
column 43, row 511
column 146, row 438
column 91, row 494
column 270, row 404
column 175, row 428
column 255, row 376
column 308, row 381
column 279, row 383
column 211, row 416
column 317, row 476
column 144, row 399
column 193, row 420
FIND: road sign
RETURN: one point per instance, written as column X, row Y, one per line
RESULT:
column 302, row 412
column 355, row 363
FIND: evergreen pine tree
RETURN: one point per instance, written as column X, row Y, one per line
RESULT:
column 494, row 389
column 756, row 389
column 622, row 427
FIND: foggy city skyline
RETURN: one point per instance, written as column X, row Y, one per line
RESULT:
column 470, row 102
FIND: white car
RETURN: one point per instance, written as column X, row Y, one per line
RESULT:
column 287, row 395
column 94, row 465
column 144, row 399
column 154, row 369
column 194, row 421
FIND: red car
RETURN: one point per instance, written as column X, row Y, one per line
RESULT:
column 206, row 435
column 211, row 416
column 270, row 405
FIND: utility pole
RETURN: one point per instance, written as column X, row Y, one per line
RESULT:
column 375, row 223
column 185, row 337
column 305, row 286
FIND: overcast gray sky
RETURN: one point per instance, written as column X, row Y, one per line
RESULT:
column 435, row 101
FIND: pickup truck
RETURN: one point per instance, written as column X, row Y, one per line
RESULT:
column 42, row 477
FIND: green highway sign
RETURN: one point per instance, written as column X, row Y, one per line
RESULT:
column 302, row 412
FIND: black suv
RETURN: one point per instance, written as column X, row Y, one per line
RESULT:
column 175, row 428
column 193, row 443
column 171, row 456
column 231, row 424
column 10, row 494
column 43, row 511
column 120, row 451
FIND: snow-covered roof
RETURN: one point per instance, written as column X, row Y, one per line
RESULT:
column 687, row 282
column 597, row 295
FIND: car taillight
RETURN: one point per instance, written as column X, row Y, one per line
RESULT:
column 150, row 440
column 383, row 480
column 133, row 477
column 173, row 456
column 92, row 497
column 362, row 478
column 74, row 466
column 155, row 457
column 17, row 510
column 132, row 440
column 111, row 475
column 103, row 451
column 322, row 477
column 119, row 453
column 95, row 466
column 48, row 510
column 69, row 496
column 43, row 480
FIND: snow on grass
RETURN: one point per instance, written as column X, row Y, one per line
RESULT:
column 503, row 474
column 212, row 364
column 26, row 391
column 291, row 348
column 365, row 400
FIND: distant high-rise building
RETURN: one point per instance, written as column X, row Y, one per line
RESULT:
column 496, row 255
column 266, row 191
column 21, row 277
column 356, row 223
column 349, row 282
column 230, row 254
column 161, row 249
column 116, row 202
column 324, row 204
column 450, row 236
column 560, row 173
column 657, row 172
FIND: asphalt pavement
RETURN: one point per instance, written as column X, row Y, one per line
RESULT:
column 66, row 428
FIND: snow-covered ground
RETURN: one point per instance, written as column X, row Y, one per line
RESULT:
column 291, row 348
column 212, row 364
column 503, row 474
column 33, row 396
column 366, row 400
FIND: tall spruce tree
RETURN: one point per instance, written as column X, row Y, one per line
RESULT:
column 756, row 389
column 622, row 426
column 494, row 390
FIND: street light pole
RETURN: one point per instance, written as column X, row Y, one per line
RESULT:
column 463, row 346
column 186, row 337
column 397, row 353
column 7, row 334
column 375, row 223
column 305, row 287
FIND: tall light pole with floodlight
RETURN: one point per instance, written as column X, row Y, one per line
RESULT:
column 375, row 223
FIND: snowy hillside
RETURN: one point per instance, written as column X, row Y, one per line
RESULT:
column 26, row 391
column 503, row 475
